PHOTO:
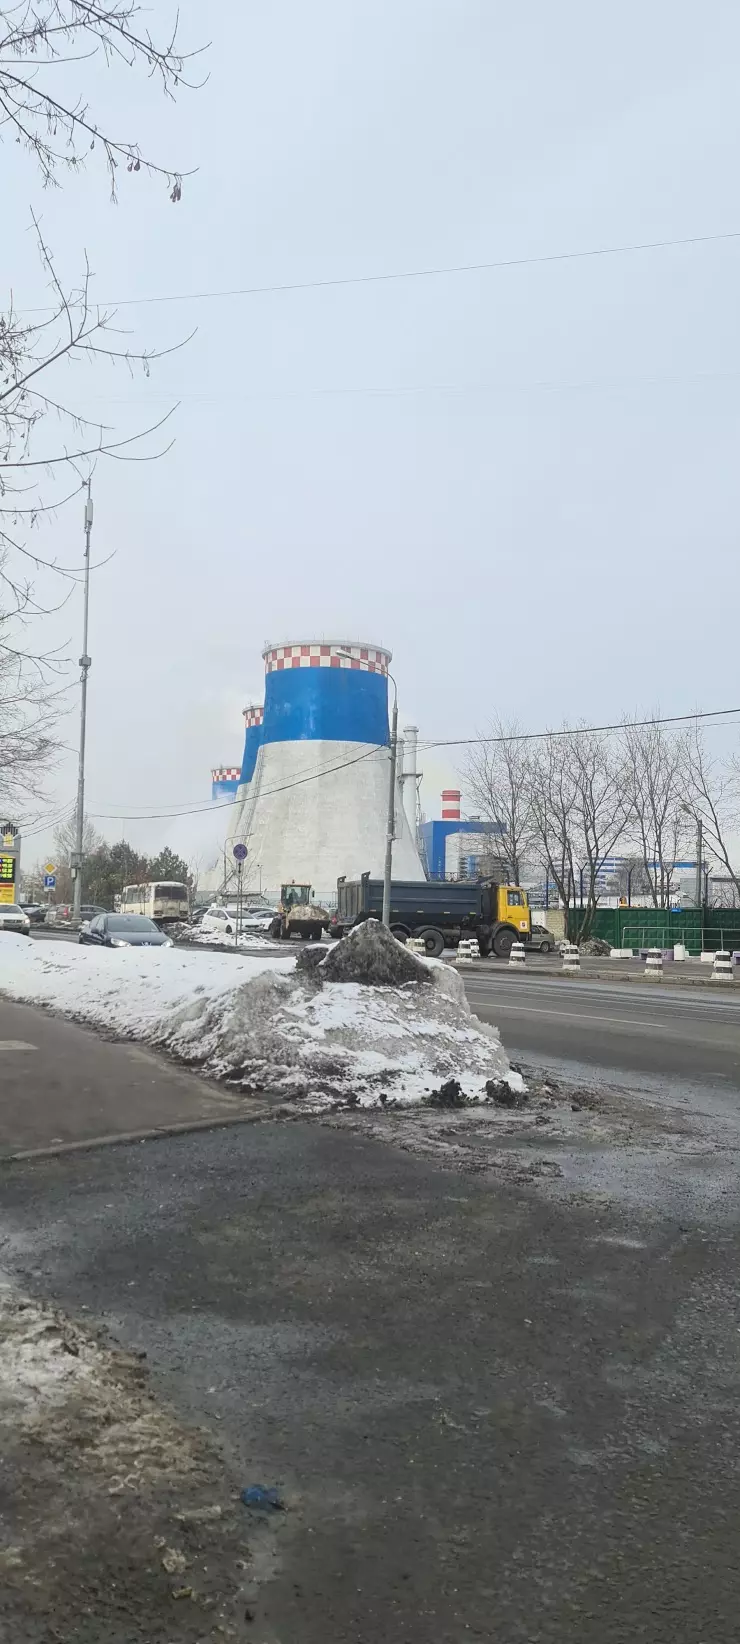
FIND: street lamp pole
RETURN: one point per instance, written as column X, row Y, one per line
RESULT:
column 698, row 886
column 699, row 893
column 85, row 669
column 391, row 824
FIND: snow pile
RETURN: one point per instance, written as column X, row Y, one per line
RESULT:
column 42, row 1360
column 264, row 1026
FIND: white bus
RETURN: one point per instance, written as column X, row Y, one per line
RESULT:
column 162, row 901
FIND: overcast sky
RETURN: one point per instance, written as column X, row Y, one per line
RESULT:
column 523, row 481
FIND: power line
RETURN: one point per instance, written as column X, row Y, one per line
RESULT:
column 418, row 273
column 228, row 804
column 453, row 742
column 584, row 730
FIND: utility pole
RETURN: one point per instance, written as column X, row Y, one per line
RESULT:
column 391, row 825
column 699, row 891
column 85, row 669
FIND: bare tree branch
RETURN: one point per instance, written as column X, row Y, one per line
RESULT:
column 60, row 134
column 498, row 781
column 655, row 766
column 713, row 793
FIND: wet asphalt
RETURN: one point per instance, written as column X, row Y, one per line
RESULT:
column 494, row 1413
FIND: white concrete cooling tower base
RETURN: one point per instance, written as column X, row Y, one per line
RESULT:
column 297, row 824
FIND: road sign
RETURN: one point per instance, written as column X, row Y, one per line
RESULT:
column 50, row 881
column 240, row 852
column 50, row 867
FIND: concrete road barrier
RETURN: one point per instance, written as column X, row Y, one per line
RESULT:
column 654, row 965
column 571, row 960
column 722, row 968
column 517, row 957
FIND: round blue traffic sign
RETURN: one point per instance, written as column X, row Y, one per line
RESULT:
column 240, row 852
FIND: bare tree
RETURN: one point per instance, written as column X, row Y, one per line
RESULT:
column 498, row 781
column 580, row 809
column 655, row 770
column 39, row 473
column 713, row 797
column 73, row 332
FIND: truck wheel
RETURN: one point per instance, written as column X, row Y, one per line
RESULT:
column 433, row 941
column 275, row 930
column 503, row 942
column 316, row 933
column 400, row 932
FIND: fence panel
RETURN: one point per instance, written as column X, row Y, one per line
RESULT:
column 700, row 929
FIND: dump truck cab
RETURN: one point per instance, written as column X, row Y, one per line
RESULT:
column 512, row 908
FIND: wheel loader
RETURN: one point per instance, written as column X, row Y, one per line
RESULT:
column 298, row 916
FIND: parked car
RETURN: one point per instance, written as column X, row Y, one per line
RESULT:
column 36, row 911
column 542, row 939
column 12, row 917
column 258, row 918
column 123, row 930
column 219, row 921
column 62, row 913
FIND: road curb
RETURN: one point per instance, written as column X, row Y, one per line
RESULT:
column 671, row 979
column 120, row 1138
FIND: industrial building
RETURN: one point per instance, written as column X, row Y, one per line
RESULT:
column 454, row 849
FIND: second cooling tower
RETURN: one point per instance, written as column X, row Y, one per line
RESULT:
column 316, row 806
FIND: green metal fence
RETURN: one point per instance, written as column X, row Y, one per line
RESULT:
column 701, row 929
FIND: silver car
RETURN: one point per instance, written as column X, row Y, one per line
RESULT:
column 13, row 918
column 541, row 940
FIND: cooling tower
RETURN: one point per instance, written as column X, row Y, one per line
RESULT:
column 317, row 803
column 225, row 782
column 253, row 717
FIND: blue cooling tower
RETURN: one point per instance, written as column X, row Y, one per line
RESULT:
column 253, row 716
column 316, row 805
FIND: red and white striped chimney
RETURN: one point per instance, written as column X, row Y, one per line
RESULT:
column 450, row 804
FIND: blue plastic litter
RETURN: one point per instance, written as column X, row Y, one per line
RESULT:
column 266, row 1501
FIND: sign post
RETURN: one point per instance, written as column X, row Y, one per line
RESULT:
column 240, row 857
column 10, row 853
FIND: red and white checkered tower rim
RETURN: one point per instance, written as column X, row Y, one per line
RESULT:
column 254, row 714
column 371, row 659
column 451, row 804
column 226, row 773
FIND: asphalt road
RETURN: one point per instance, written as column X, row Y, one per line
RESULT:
column 496, row 1411
column 493, row 1415
column 638, row 1028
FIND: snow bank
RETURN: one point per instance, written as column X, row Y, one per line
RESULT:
column 261, row 1025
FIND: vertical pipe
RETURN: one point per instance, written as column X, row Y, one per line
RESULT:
column 411, row 737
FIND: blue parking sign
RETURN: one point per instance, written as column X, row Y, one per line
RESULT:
column 50, row 881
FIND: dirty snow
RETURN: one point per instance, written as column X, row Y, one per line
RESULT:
column 262, row 1026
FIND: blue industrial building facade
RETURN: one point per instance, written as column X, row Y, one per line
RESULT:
column 436, row 834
